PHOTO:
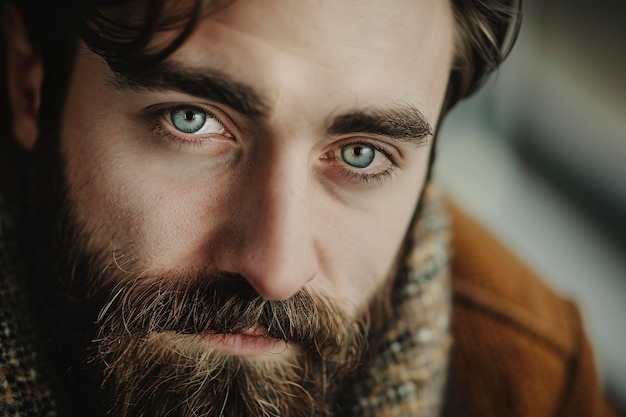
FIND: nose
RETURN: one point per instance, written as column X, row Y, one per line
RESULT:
column 270, row 237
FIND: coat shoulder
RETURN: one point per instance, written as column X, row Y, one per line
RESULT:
column 519, row 348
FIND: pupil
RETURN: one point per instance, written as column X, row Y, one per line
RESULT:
column 189, row 116
column 358, row 151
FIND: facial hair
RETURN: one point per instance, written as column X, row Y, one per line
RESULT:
column 132, row 344
column 152, row 336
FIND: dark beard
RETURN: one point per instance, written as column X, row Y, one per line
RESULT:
column 126, row 344
column 151, row 337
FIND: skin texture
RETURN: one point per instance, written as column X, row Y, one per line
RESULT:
column 262, row 195
column 268, row 198
column 267, row 203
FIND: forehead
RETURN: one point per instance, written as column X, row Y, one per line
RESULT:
column 308, row 26
column 371, row 49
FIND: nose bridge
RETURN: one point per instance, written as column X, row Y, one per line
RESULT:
column 283, row 204
column 278, row 251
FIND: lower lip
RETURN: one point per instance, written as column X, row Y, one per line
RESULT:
column 246, row 343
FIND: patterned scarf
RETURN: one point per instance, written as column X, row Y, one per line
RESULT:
column 25, row 381
column 407, row 374
column 405, row 378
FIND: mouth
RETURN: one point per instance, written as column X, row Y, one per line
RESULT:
column 251, row 342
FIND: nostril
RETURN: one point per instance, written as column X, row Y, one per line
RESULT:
column 273, row 246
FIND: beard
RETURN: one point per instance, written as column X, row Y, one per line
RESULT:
column 134, row 344
column 152, row 339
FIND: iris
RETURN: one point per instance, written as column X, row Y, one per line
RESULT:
column 358, row 155
column 188, row 120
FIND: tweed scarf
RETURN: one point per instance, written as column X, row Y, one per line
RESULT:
column 25, row 380
column 404, row 378
column 407, row 373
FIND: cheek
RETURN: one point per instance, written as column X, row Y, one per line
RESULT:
column 97, row 198
column 366, row 241
column 163, row 213
column 126, row 197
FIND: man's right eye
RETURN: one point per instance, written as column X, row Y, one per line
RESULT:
column 187, row 120
column 190, row 125
column 190, row 120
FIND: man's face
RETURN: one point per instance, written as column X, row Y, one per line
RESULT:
column 300, row 189
column 284, row 143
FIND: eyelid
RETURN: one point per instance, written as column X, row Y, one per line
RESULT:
column 362, row 177
column 159, row 112
column 375, row 144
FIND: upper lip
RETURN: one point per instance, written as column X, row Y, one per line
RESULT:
column 254, row 332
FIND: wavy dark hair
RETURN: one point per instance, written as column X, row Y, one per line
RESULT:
column 122, row 30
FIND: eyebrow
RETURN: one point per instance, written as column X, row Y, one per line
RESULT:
column 402, row 122
column 405, row 123
column 209, row 84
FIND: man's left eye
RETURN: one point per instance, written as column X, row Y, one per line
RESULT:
column 362, row 162
column 194, row 121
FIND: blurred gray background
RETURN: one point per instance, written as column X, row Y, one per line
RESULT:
column 539, row 158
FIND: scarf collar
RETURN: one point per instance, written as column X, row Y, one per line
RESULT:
column 407, row 373
column 25, row 380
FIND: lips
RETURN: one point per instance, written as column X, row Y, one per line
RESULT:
column 252, row 342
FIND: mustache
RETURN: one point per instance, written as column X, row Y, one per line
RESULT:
column 226, row 303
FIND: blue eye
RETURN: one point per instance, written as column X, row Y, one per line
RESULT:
column 188, row 120
column 358, row 155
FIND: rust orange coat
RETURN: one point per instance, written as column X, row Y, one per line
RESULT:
column 519, row 349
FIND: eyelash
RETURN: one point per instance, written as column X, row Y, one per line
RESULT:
column 369, row 177
column 162, row 128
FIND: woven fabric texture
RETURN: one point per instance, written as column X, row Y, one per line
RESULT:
column 24, row 380
column 407, row 374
